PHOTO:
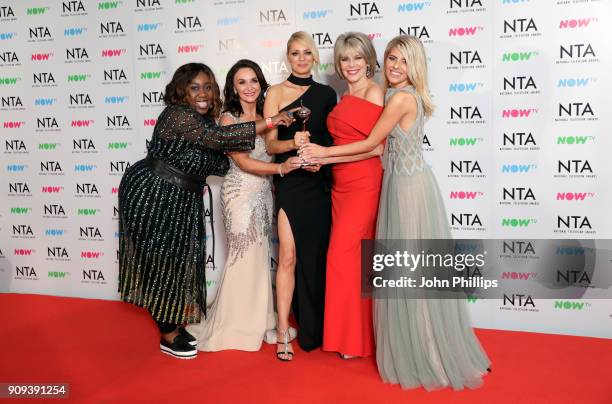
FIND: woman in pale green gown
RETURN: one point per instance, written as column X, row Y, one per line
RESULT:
column 419, row 342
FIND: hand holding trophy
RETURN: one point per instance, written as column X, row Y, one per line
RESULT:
column 302, row 115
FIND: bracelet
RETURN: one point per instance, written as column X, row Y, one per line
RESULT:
column 280, row 170
column 269, row 123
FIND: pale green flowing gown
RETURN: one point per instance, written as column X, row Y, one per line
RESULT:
column 420, row 342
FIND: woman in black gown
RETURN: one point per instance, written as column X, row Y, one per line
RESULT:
column 303, row 200
column 161, row 223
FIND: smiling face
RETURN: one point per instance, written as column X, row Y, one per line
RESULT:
column 396, row 69
column 301, row 58
column 199, row 93
column 247, row 85
column 353, row 65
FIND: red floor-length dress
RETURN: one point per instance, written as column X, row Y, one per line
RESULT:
column 355, row 194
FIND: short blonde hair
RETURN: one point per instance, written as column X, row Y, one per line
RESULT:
column 413, row 51
column 305, row 39
column 359, row 42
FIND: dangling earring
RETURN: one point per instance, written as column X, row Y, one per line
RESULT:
column 368, row 71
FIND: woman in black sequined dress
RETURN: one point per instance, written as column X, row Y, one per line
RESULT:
column 161, row 223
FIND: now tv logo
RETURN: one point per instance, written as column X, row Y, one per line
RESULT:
column 229, row 21
column 465, row 31
column 21, row 251
column 48, row 189
column 518, row 275
column 465, row 194
column 150, row 122
column 412, row 7
column 574, row 196
column 81, row 123
column 91, row 254
column 74, row 31
column 576, row 23
column 464, row 87
column 5, row 36
column 516, row 222
column 116, row 99
column 148, row 27
column 575, row 82
column 192, row 48
column 518, row 113
column 13, row 124
column 316, row 14
column 517, row 168
column 571, row 305
column 110, row 53
column 41, row 56
column 518, row 56
column 574, row 139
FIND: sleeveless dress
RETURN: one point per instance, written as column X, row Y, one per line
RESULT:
column 161, row 226
column 305, row 198
column 243, row 308
column 420, row 342
column 355, row 194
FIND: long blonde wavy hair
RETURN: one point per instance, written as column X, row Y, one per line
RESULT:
column 413, row 51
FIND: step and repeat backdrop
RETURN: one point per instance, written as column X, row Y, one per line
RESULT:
column 519, row 141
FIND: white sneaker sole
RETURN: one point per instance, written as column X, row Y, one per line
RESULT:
column 180, row 355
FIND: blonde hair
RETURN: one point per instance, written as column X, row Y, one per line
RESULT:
column 359, row 42
column 305, row 39
column 413, row 51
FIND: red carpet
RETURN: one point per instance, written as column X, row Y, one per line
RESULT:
column 108, row 352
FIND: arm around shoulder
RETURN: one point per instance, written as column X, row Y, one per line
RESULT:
column 375, row 95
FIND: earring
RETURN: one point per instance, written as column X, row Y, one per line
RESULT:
column 368, row 71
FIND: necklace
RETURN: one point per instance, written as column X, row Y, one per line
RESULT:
column 300, row 81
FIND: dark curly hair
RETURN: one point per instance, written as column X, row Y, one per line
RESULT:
column 232, row 100
column 175, row 90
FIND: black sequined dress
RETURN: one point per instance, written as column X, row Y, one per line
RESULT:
column 306, row 199
column 161, row 228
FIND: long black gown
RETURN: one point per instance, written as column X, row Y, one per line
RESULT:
column 161, row 231
column 306, row 199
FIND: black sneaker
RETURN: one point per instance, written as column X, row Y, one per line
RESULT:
column 179, row 348
column 190, row 338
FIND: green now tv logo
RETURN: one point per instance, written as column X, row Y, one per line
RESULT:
column 47, row 146
column 37, row 10
column 517, row 222
column 20, row 211
column 87, row 212
column 78, row 77
column 58, row 274
column 9, row 81
column 571, row 140
column 150, row 75
column 571, row 305
column 108, row 5
column 118, row 145
column 464, row 141
column 518, row 56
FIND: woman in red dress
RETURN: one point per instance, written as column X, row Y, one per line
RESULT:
column 355, row 192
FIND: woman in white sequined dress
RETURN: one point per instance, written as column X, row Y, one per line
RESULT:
column 243, row 308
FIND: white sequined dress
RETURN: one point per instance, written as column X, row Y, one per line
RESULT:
column 243, row 308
